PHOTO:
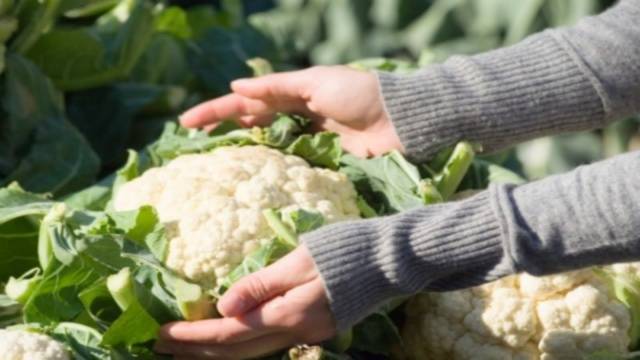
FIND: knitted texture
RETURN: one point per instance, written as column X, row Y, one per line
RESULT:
column 554, row 82
column 558, row 81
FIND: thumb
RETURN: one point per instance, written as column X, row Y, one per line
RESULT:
column 252, row 290
column 292, row 85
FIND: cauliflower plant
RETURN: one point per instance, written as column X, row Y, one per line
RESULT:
column 564, row 316
column 23, row 345
column 211, row 204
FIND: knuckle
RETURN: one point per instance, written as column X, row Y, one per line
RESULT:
column 257, row 288
column 265, row 87
column 214, row 111
column 248, row 106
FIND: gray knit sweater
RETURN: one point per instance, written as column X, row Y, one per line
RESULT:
column 557, row 81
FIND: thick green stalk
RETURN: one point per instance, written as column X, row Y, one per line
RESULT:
column 121, row 288
column 449, row 178
column 54, row 217
column 429, row 192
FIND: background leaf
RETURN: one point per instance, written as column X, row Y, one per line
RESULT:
column 44, row 162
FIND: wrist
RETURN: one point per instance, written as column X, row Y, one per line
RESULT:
column 440, row 247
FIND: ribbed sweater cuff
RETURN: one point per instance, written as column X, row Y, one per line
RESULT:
column 440, row 247
column 496, row 99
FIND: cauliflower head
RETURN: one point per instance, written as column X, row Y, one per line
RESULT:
column 211, row 204
column 24, row 345
column 563, row 316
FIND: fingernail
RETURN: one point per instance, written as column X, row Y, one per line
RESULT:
column 166, row 331
column 239, row 82
column 182, row 118
column 232, row 305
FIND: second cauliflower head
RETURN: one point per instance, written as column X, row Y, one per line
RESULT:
column 521, row 317
column 24, row 345
column 212, row 204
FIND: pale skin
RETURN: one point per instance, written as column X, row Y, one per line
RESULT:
column 284, row 304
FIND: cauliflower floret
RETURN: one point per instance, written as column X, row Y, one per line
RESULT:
column 23, row 345
column 542, row 287
column 629, row 268
column 583, row 321
column 505, row 315
column 212, row 203
column 563, row 316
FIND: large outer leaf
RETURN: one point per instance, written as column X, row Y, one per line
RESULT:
column 81, row 58
column 105, row 116
column 83, row 341
column 219, row 56
column 322, row 149
column 134, row 326
column 163, row 62
column 389, row 181
column 48, row 154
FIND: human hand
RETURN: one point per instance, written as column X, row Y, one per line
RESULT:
column 336, row 98
column 277, row 307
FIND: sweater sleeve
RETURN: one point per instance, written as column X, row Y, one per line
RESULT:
column 560, row 80
column 587, row 217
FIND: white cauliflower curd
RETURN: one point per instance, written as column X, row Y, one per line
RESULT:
column 23, row 345
column 564, row 316
column 212, row 203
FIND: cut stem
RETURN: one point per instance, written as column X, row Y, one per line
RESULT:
column 120, row 286
column 451, row 175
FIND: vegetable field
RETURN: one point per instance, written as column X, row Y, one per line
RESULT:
column 103, row 238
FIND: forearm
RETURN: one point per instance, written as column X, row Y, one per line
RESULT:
column 558, row 81
column 587, row 217
column 590, row 216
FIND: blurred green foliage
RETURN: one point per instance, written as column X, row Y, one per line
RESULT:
column 340, row 31
column 116, row 70
column 87, row 79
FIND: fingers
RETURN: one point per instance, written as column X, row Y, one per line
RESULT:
column 301, row 315
column 303, row 305
column 249, row 349
column 292, row 270
column 254, row 100
column 292, row 85
column 218, row 331
column 230, row 106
